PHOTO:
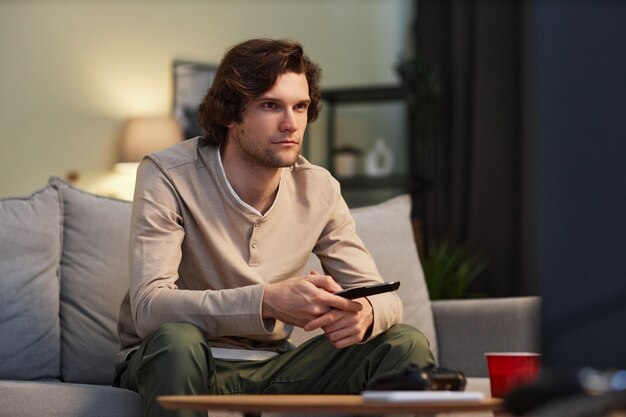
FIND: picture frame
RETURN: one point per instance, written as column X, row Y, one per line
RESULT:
column 191, row 81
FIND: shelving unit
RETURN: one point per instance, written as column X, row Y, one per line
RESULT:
column 356, row 117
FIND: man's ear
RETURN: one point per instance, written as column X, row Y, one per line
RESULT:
column 231, row 124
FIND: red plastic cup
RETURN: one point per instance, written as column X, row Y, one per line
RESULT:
column 508, row 370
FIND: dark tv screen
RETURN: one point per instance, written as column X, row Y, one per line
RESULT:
column 578, row 90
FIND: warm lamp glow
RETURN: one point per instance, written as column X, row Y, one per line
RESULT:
column 145, row 135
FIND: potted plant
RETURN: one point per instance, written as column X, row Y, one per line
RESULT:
column 451, row 270
column 346, row 161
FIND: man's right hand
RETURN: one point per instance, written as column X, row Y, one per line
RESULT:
column 297, row 301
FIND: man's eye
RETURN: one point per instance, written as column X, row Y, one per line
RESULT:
column 270, row 105
column 302, row 106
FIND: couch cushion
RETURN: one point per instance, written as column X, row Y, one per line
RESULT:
column 94, row 279
column 30, row 249
column 386, row 230
column 387, row 233
column 60, row 399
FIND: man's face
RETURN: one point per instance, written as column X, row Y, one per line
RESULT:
column 272, row 127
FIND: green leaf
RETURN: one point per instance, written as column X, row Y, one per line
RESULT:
column 450, row 271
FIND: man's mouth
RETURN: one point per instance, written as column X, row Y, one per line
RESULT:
column 286, row 142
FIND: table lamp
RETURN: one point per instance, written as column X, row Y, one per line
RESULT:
column 143, row 135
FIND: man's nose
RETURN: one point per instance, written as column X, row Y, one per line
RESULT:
column 289, row 122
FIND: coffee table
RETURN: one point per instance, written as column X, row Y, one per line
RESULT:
column 254, row 405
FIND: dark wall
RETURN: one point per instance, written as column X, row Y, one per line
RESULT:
column 577, row 119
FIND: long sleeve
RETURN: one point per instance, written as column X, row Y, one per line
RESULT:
column 345, row 258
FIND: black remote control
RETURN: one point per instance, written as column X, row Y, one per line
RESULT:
column 364, row 291
column 414, row 378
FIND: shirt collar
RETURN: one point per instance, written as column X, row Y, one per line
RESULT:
column 232, row 191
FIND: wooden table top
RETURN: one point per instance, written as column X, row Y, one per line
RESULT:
column 337, row 404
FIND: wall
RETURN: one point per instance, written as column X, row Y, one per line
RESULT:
column 71, row 71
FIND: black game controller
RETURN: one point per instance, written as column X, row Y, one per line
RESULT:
column 414, row 378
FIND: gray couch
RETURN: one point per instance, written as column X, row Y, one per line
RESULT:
column 63, row 274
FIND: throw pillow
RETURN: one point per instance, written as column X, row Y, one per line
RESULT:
column 30, row 250
column 94, row 280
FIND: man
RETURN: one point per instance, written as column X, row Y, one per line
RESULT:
column 222, row 227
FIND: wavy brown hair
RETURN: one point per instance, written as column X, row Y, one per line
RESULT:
column 248, row 70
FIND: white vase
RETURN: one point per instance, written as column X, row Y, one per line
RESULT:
column 379, row 160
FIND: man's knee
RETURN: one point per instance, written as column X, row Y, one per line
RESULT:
column 407, row 345
column 179, row 345
column 406, row 334
column 178, row 335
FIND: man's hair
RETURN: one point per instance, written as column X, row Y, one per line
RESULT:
column 248, row 70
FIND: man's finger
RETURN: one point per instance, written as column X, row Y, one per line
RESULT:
column 324, row 282
column 345, row 342
column 332, row 320
column 321, row 321
column 345, row 332
column 341, row 303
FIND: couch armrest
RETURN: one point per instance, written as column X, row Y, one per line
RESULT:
column 466, row 329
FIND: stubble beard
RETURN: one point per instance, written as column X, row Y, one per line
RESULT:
column 252, row 151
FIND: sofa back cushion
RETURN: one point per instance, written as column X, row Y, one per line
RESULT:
column 30, row 249
column 387, row 233
column 94, row 280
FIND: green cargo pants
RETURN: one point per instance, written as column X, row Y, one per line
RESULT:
column 176, row 359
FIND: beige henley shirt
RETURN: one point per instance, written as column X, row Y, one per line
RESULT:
column 199, row 255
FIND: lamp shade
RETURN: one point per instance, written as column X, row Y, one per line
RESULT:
column 141, row 136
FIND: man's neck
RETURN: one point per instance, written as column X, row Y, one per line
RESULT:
column 256, row 185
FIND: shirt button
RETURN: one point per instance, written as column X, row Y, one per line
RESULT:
column 254, row 244
column 257, row 224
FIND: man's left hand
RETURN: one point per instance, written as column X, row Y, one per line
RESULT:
column 345, row 328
